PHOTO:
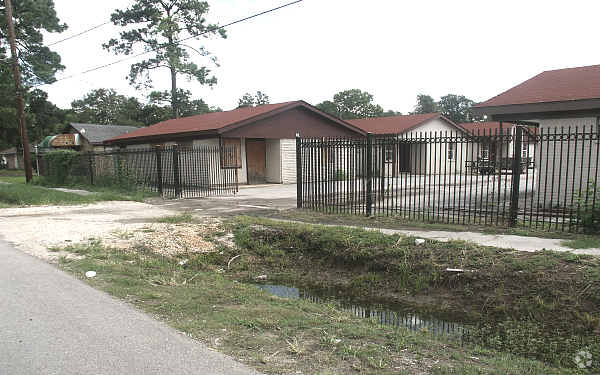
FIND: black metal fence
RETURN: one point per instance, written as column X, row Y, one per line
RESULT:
column 173, row 172
column 523, row 176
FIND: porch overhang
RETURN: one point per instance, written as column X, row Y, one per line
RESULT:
column 538, row 111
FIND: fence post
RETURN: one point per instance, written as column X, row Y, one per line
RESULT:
column 159, row 179
column 516, row 176
column 176, row 174
column 91, row 166
column 298, row 171
column 369, row 197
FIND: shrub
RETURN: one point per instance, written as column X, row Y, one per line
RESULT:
column 588, row 209
column 62, row 166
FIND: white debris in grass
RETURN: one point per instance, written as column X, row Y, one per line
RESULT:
column 170, row 239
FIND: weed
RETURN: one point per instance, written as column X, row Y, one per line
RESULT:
column 185, row 217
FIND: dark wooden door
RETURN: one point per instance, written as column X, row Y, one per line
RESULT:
column 256, row 160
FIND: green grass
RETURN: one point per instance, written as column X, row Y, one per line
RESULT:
column 277, row 335
column 543, row 304
column 12, row 173
column 395, row 222
column 29, row 195
column 185, row 217
column 583, row 242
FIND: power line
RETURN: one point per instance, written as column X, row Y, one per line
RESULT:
column 175, row 43
column 78, row 34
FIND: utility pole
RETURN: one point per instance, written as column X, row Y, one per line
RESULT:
column 19, row 91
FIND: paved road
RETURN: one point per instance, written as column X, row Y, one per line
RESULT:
column 52, row 323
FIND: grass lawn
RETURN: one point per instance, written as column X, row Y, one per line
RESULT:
column 583, row 242
column 20, row 194
column 277, row 335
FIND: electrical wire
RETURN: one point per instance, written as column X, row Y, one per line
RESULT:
column 167, row 45
column 78, row 34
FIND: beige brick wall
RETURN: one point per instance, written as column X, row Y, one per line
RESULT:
column 288, row 160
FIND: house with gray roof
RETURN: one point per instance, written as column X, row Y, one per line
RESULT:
column 90, row 137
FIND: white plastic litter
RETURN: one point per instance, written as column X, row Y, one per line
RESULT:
column 183, row 262
column 261, row 277
column 90, row 274
column 419, row 241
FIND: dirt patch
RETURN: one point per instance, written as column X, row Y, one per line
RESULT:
column 169, row 239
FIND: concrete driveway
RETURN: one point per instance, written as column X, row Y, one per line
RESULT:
column 249, row 198
column 53, row 323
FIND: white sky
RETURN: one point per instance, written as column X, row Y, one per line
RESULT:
column 393, row 49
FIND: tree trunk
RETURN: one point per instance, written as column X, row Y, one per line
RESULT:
column 174, row 99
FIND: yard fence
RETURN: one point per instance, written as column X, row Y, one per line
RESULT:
column 531, row 177
column 173, row 172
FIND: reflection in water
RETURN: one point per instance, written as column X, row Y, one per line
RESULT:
column 384, row 315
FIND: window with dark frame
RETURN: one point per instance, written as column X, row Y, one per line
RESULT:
column 485, row 151
column 451, row 151
column 389, row 153
column 231, row 155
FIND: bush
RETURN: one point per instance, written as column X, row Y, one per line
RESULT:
column 588, row 209
column 63, row 166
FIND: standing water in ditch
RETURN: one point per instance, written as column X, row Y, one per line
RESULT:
column 386, row 315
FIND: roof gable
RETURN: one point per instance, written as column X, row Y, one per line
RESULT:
column 397, row 124
column 552, row 86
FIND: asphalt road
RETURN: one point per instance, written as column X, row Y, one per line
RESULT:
column 52, row 323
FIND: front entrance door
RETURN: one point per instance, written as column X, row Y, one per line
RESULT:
column 256, row 160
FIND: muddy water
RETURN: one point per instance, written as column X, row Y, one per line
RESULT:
column 396, row 315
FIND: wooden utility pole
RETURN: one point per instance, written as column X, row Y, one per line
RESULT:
column 19, row 91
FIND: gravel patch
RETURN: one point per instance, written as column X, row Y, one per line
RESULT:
column 35, row 229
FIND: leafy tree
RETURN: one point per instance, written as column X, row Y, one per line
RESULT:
column 249, row 100
column 390, row 113
column 351, row 104
column 37, row 62
column 456, row 107
column 159, row 26
column 187, row 105
column 43, row 117
column 105, row 106
column 425, row 104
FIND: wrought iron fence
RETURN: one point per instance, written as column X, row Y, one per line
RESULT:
column 173, row 172
column 530, row 177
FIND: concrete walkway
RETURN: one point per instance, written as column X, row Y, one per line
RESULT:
column 53, row 323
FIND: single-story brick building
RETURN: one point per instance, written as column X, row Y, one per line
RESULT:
column 265, row 136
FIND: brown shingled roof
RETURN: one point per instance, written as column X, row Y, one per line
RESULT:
column 204, row 122
column 552, row 86
column 395, row 124
column 218, row 122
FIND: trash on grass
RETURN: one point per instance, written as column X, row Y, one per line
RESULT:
column 90, row 274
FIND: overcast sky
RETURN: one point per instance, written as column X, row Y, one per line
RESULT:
column 390, row 48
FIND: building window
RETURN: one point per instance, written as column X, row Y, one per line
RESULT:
column 524, row 150
column 389, row 153
column 451, row 151
column 231, row 155
column 485, row 151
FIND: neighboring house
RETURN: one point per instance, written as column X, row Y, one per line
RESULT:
column 92, row 136
column 562, row 101
column 14, row 157
column 429, row 155
column 264, row 135
column 495, row 146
